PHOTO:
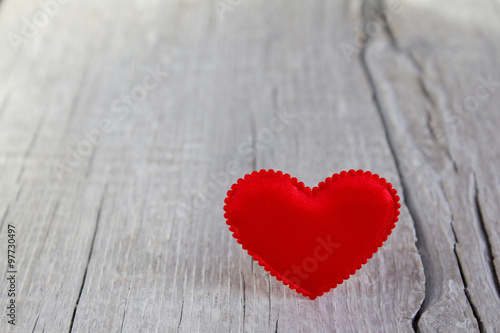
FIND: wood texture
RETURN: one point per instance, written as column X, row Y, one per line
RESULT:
column 115, row 177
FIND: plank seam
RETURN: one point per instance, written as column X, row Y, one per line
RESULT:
column 412, row 210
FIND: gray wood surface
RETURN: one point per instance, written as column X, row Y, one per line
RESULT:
column 114, row 178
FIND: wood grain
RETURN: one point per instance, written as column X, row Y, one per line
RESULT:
column 115, row 177
column 445, row 147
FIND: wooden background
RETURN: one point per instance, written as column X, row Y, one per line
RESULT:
column 110, row 185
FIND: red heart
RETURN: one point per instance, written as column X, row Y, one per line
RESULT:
column 312, row 240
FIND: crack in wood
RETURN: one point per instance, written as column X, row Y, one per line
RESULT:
column 485, row 236
column 98, row 218
column 125, row 310
column 394, row 44
column 466, row 291
column 180, row 318
column 430, row 99
column 407, row 199
column 183, row 294
column 423, row 87
column 473, row 307
column 387, row 28
column 36, row 322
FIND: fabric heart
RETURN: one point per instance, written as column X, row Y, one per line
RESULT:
column 312, row 240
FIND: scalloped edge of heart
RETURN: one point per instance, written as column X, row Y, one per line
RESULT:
column 307, row 190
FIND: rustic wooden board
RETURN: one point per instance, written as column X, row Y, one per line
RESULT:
column 117, row 201
column 446, row 146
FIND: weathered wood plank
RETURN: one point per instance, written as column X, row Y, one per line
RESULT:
column 120, row 236
column 447, row 155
